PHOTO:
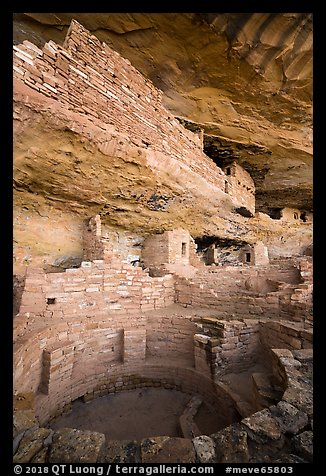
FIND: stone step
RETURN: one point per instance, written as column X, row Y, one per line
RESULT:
column 264, row 391
column 188, row 427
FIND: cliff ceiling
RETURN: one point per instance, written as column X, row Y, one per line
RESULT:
column 244, row 78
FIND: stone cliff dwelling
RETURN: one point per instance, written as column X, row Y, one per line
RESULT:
column 162, row 281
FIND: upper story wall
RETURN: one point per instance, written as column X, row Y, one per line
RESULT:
column 92, row 79
column 291, row 215
column 240, row 185
column 96, row 246
column 295, row 215
column 171, row 247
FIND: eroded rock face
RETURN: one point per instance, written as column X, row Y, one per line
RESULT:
column 31, row 444
column 244, row 78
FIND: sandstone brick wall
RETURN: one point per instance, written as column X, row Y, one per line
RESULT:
column 95, row 246
column 90, row 357
column 109, row 296
column 285, row 335
column 131, row 376
column 234, row 346
column 226, row 289
column 96, row 343
column 226, row 346
column 255, row 255
column 57, row 365
column 94, row 288
column 99, row 243
column 170, row 336
column 290, row 215
column 240, row 185
column 86, row 358
column 92, row 79
column 155, row 250
column 174, row 247
column 299, row 307
column 67, row 359
column 86, row 329
column 303, row 293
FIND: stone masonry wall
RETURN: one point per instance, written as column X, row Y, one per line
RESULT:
column 234, row 346
column 231, row 292
column 240, row 185
column 92, row 79
column 113, row 293
column 278, row 434
column 155, row 250
column 257, row 254
column 44, row 354
column 170, row 337
column 95, row 246
column 290, row 215
column 90, row 357
column 226, row 346
column 300, row 304
column 92, row 289
column 285, row 335
column 174, row 247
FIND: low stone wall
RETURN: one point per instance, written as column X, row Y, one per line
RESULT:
column 92, row 289
column 231, row 292
column 285, row 335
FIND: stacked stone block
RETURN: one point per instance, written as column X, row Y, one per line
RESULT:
column 226, row 289
column 226, row 346
column 96, row 246
column 170, row 250
column 240, row 186
column 94, row 288
column 93, row 80
column 286, row 335
column 169, row 337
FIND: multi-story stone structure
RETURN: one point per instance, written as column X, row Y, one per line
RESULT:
column 240, row 186
column 108, row 326
column 94, row 80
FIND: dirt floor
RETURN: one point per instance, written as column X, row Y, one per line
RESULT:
column 136, row 414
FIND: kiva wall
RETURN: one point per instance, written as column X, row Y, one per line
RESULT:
column 285, row 335
column 91, row 357
column 169, row 337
